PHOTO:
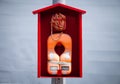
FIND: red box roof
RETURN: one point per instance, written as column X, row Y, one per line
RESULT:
column 59, row 5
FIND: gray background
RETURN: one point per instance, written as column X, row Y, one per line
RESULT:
column 101, row 41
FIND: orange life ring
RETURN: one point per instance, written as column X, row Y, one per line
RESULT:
column 63, row 62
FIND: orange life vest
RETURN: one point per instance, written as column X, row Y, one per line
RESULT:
column 58, row 62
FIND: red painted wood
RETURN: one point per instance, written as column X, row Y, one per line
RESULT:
column 73, row 28
column 80, row 44
column 39, row 46
column 59, row 5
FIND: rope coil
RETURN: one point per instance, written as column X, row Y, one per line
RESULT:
column 58, row 22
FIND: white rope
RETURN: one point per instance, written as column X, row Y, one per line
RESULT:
column 59, row 62
column 58, row 37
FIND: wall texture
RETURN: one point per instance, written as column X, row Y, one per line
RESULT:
column 18, row 41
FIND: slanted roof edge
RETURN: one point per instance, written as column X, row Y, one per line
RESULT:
column 56, row 5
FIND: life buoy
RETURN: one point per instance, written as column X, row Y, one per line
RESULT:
column 63, row 62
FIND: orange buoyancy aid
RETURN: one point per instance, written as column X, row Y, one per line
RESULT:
column 60, row 62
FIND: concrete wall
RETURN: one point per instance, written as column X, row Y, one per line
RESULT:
column 101, row 41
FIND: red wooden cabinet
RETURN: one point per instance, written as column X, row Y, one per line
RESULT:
column 73, row 28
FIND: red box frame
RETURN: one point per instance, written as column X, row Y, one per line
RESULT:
column 73, row 28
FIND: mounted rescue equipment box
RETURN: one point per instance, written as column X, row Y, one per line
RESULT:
column 59, row 41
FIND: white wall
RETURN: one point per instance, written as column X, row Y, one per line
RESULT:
column 18, row 41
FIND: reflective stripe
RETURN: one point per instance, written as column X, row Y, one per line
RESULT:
column 51, row 55
column 67, row 55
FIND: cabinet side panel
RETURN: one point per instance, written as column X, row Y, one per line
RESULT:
column 80, row 43
column 39, row 46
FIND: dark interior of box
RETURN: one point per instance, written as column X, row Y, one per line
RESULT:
column 72, row 28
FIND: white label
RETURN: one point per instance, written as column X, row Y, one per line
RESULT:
column 53, row 68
